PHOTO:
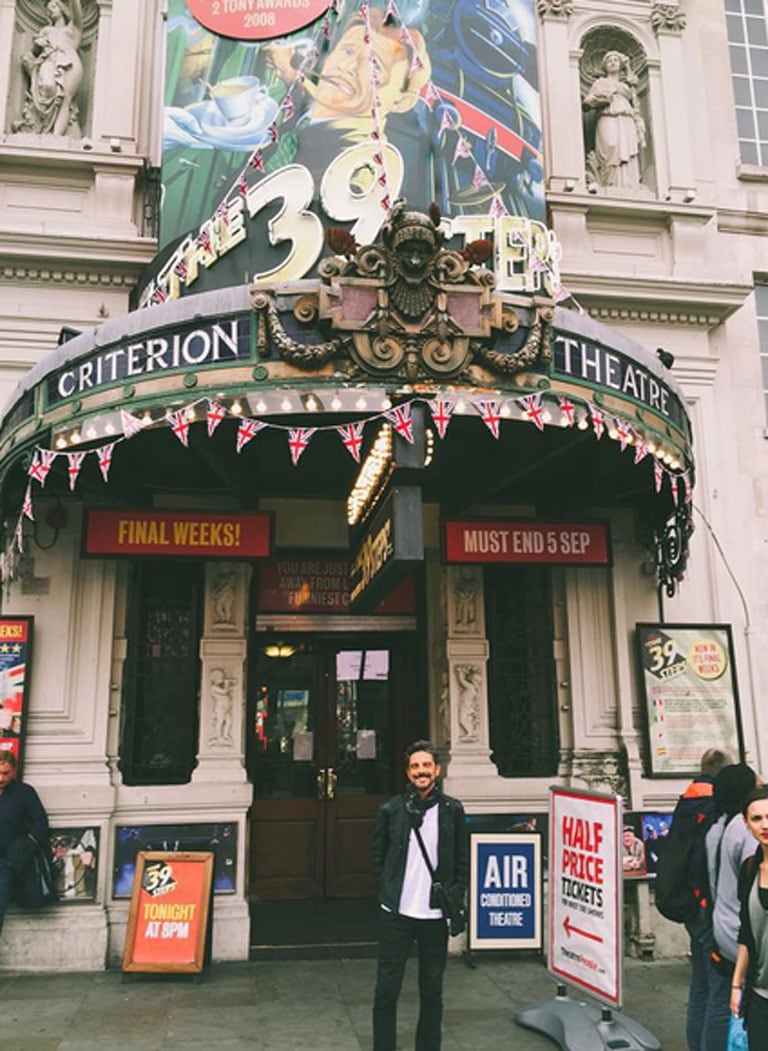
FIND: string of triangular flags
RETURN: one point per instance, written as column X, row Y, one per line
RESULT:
column 432, row 96
column 493, row 411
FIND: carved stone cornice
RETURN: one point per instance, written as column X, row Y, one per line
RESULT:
column 668, row 18
column 554, row 8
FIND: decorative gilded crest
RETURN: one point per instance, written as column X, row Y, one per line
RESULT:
column 407, row 307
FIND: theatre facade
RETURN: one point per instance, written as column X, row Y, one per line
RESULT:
column 360, row 462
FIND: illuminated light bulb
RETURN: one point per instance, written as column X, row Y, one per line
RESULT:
column 312, row 405
column 460, row 408
column 613, row 434
column 547, row 416
column 109, row 429
column 285, row 404
column 659, row 453
column 61, row 443
column 189, row 412
column 261, row 405
column 675, row 465
column 75, row 438
column 667, row 458
column 146, row 419
column 237, row 408
column 583, row 423
column 651, row 448
column 505, row 410
column 386, row 403
column 361, row 403
column 563, row 421
column 91, row 432
column 336, row 402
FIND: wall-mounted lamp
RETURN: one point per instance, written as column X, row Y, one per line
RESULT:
column 56, row 520
column 279, row 650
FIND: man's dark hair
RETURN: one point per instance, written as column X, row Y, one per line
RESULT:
column 761, row 792
column 713, row 761
column 421, row 746
column 8, row 759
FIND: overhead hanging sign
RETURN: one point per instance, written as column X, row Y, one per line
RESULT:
column 586, row 892
column 318, row 582
column 392, row 544
column 555, row 543
column 166, row 533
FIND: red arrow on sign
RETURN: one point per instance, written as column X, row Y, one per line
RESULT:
column 578, row 930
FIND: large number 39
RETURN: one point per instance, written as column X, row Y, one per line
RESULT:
column 351, row 190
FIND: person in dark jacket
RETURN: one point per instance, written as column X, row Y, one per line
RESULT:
column 749, row 986
column 20, row 812
column 410, row 910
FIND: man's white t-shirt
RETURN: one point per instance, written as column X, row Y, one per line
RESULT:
column 414, row 898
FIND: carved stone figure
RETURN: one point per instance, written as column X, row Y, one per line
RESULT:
column 222, row 687
column 223, row 599
column 619, row 129
column 465, row 597
column 469, row 678
column 55, row 71
column 555, row 8
column 668, row 17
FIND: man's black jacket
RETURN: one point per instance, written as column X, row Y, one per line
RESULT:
column 390, row 849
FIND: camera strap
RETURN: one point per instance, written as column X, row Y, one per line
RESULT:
column 424, row 854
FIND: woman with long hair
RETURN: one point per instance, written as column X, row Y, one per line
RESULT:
column 749, row 987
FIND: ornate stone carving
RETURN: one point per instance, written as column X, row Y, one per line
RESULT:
column 465, row 592
column 221, row 685
column 554, row 8
column 619, row 129
column 602, row 770
column 469, row 678
column 53, row 71
column 223, row 599
column 668, row 17
column 407, row 307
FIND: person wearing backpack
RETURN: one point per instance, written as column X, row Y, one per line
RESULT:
column 728, row 845
column 681, row 886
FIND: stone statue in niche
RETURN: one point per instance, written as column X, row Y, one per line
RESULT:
column 465, row 598
column 54, row 70
column 223, row 599
column 469, row 677
column 222, row 700
column 619, row 126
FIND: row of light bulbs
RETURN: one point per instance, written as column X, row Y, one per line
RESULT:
column 368, row 401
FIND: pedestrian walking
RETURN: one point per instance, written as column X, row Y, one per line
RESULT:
column 749, row 987
column 20, row 812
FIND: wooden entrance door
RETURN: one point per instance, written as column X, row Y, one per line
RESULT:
column 322, row 736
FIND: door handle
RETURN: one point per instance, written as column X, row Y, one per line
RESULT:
column 320, row 782
column 331, row 781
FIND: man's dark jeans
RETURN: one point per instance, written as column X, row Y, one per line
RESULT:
column 396, row 937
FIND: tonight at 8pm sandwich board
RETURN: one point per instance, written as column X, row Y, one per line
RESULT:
column 585, row 888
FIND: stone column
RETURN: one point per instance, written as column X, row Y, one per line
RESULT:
column 668, row 23
column 7, row 12
column 560, row 99
column 471, row 776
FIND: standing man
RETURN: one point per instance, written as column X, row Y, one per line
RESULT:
column 20, row 812
column 409, row 909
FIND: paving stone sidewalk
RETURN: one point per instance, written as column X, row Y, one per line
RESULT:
column 289, row 1005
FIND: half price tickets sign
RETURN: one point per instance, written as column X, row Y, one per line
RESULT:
column 585, row 942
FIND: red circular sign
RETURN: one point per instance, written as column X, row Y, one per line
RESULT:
column 256, row 19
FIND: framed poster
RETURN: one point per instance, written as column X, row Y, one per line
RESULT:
column 75, row 853
column 505, row 890
column 15, row 664
column 586, row 892
column 169, row 913
column 219, row 837
column 689, row 695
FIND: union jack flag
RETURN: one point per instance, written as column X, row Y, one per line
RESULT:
column 179, row 424
column 247, row 430
column 214, row 415
column 623, row 432
column 442, row 410
column 673, row 487
column 104, row 456
column 75, row 462
column 26, row 507
column 386, row 202
column 479, row 179
column 532, row 405
column 287, row 108
column 38, row 469
column 274, row 134
column 204, row 240
column 568, row 410
column 491, row 417
column 18, row 535
column 497, row 208
column 257, row 161
column 447, row 122
column 298, row 440
column 641, row 449
column 242, row 185
column 181, row 270
column 131, row 424
column 688, row 487
column 598, row 420
column 431, row 95
column 401, row 419
column 658, row 475
column 352, row 438
column 463, row 149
